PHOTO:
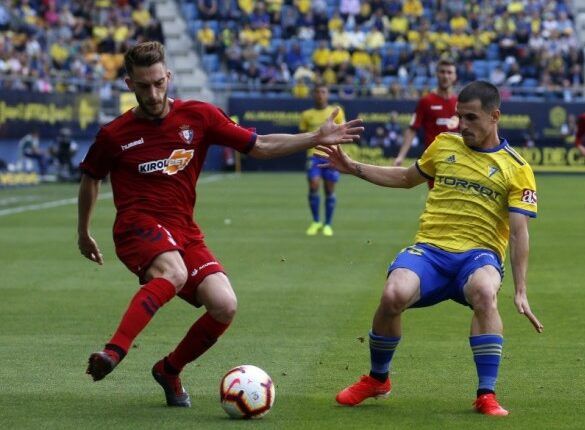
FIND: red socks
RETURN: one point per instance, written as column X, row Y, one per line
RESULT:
column 200, row 337
column 140, row 311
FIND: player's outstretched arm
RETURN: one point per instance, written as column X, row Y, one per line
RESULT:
column 519, row 250
column 278, row 145
column 88, row 192
column 394, row 177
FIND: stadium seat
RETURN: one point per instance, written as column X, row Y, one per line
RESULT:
column 420, row 81
column 210, row 62
column 493, row 51
column 480, row 68
column 189, row 11
column 530, row 83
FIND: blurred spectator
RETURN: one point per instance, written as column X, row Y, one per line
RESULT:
column 63, row 152
column 466, row 73
column 349, row 8
column 378, row 88
column 497, row 76
column 301, row 89
column 207, row 9
column 206, row 37
column 394, row 134
column 379, row 139
column 30, row 148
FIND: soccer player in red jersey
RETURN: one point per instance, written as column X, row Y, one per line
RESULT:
column 435, row 112
column 154, row 154
column 580, row 134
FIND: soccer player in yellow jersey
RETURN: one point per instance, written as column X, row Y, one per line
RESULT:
column 311, row 119
column 483, row 196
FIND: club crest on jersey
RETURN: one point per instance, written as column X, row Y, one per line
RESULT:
column 492, row 171
column 177, row 161
column 186, row 134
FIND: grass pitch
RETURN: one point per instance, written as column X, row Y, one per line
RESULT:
column 305, row 303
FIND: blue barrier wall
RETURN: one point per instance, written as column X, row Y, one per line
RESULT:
column 545, row 124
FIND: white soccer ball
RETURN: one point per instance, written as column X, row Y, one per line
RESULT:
column 246, row 392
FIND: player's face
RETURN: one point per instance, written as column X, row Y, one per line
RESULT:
column 446, row 77
column 321, row 97
column 150, row 86
column 475, row 124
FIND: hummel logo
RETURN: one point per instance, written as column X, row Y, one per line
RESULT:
column 131, row 144
column 450, row 159
column 492, row 171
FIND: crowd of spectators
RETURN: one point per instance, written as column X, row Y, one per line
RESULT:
column 383, row 48
column 70, row 46
column 387, row 48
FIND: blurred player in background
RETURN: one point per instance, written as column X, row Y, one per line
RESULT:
column 154, row 154
column 435, row 112
column 580, row 134
column 483, row 196
column 311, row 119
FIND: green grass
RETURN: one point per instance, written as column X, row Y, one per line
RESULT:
column 303, row 304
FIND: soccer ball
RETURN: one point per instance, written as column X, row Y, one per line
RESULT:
column 246, row 392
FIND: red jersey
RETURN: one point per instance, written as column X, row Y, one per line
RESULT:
column 154, row 164
column 580, row 130
column 435, row 115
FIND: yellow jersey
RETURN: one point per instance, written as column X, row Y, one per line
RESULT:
column 474, row 191
column 312, row 119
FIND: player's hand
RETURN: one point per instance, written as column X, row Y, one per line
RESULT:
column 89, row 249
column 337, row 159
column 521, row 302
column 334, row 134
column 398, row 161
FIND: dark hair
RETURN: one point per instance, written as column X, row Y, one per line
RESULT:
column 446, row 62
column 486, row 93
column 319, row 85
column 144, row 55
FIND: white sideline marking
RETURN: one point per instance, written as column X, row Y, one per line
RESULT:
column 18, row 199
column 73, row 200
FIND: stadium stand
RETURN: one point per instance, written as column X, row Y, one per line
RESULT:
column 532, row 47
column 70, row 46
column 529, row 46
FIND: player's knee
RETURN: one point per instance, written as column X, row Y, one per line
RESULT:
column 178, row 276
column 483, row 299
column 225, row 310
column 392, row 302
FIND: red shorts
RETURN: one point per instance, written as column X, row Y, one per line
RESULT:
column 140, row 238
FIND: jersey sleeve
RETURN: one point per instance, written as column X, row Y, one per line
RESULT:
column 426, row 163
column 303, row 124
column 98, row 161
column 223, row 131
column 340, row 118
column 522, row 196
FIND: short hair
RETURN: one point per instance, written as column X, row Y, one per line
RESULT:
column 446, row 62
column 320, row 85
column 144, row 55
column 485, row 92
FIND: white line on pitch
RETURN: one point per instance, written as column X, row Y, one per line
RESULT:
column 73, row 200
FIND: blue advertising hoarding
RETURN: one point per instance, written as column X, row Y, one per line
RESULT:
column 540, row 131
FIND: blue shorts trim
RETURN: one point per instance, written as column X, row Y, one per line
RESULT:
column 314, row 171
column 443, row 274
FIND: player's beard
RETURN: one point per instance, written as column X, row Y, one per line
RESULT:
column 151, row 110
